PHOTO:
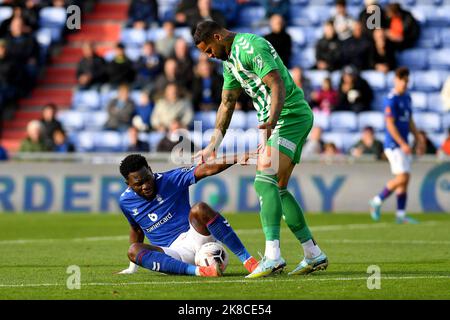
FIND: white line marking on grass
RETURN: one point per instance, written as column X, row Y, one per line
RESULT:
column 298, row 279
column 325, row 228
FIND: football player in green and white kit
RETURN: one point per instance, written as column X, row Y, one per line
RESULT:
column 251, row 63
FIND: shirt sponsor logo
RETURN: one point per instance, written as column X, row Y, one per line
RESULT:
column 159, row 223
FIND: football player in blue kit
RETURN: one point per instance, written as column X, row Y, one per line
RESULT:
column 157, row 207
column 399, row 123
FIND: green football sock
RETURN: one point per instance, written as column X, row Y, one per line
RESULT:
column 293, row 215
column 266, row 187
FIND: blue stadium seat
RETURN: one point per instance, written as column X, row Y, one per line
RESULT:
column 185, row 33
column 307, row 58
column 446, row 121
column 427, row 81
column 154, row 34
column 353, row 11
column 239, row 120
column 322, row 120
column 306, row 16
column 377, row 80
column 297, row 35
column 86, row 99
column 316, row 77
column 252, row 139
column 5, row 13
column 252, row 120
column 419, row 101
column 314, row 3
column 52, row 17
column 301, row 2
column 44, row 39
column 133, row 53
column 439, row 59
column 85, row 141
column 435, row 102
column 108, row 141
column 428, row 121
column 415, row 59
column 95, row 120
column 430, row 38
column 312, row 35
column 445, row 36
column 374, row 119
column 250, row 15
column 434, row 16
column 71, row 120
column 133, row 37
column 106, row 97
column 206, row 118
column 378, row 101
column 336, row 79
column 343, row 121
column 153, row 139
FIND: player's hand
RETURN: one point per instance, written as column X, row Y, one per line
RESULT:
column 243, row 160
column 267, row 127
column 205, row 154
column 130, row 270
column 406, row 148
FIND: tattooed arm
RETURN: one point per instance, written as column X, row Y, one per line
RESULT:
column 277, row 94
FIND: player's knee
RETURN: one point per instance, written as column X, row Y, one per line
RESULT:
column 133, row 251
column 202, row 210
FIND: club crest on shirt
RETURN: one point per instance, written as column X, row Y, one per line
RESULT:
column 258, row 61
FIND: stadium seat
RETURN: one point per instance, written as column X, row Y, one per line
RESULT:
column 415, row 59
column 377, row 80
column 185, row 33
column 52, row 17
column 105, row 98
column 435, row 102
column 439, row 59
column 322, row 120
column 95, row 120
column 312, row 35
column 314, row 3
column 86, row 99
column 85, row 141
column 343, row 141
column 438, row 16
column 316, row 77
column 207, row 119
column 446, row 121
column 252, row 119
column 445, row 36
column 5, row 13
column 428, row 81
column 252, row 139
column 133, row 53
column 250, row 15
column 239, row 120
column 297, row 35
column 375, row 119
column 419, row 101
column 305, row 16
column 430, row 38
column 307, row 58
column 354, row 11
column 343, row 121
column 428, row 121
column 133, row 37
column 44, row 39
column 336, row 79
column 71, row 120
column 378, row 101
column 153, row 139
column 154, row 34
column 108, row 141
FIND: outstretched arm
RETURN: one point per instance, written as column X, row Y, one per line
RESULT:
column 210, row 168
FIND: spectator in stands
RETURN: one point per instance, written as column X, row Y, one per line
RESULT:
column 3, row 154
column 148, row 66
column 49, row 123
column 204, row 11
column 60, row 142
column 28, row 16
column 423, row 145
column 25, row 51
column 170, row 75
column 445, row 95
column 342, row 21
column 326, row 98
column 175, row 136
column 330, row 149
column 120, row 110
column 382, row 53
column 165, row 45
column 367, row 145
column 302, row 82
column 206, row 88
column 355, row 94
column 135, row 144
column 143, row 112
column 278, row 7
column 357, row 48
column 181, row 10
column 142, row 13
column 34, row 141
column 120, row 68
column 403, row 30
column 368, row 18
column 8, row 76
column 170, row 108
column 314, row 145
column 185, row 64
column 91, row 70
column 328, row 49
column 445, row 147
column 280, row 39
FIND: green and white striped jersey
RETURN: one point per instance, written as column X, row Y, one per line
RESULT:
column 252, row 57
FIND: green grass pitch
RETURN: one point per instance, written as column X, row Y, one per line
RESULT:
column 36, row 249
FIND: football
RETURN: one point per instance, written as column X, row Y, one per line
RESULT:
column 210, row 253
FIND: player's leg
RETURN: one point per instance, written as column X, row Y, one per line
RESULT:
column 154, row 258
column 206, row 222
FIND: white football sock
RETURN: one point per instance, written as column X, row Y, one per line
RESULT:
column 377, row 200
column 311, row 249
column 401, row 214
column 272, row 249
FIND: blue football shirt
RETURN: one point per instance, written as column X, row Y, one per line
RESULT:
column 399, row 108
column 167, row 216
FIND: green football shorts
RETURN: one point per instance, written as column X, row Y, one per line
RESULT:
column 291, row 133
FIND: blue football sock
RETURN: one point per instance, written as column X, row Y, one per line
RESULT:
column 385, row 193
column 401, row 201
column 222, row 231
column 161, row 262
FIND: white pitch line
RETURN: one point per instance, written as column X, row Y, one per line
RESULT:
column 325, row 228
column 96, row 284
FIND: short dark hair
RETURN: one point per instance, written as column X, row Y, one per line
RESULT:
column 369, row 128
column 205, row 30
column 341, row 3
column 132, row 163
column 402, row 72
